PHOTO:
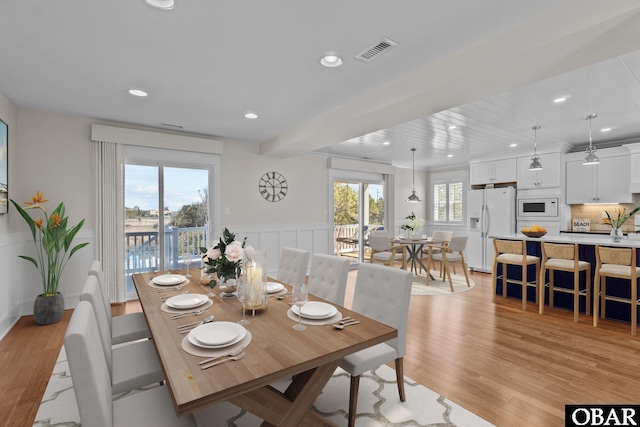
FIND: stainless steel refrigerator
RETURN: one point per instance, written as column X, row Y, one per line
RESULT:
column 491, row 212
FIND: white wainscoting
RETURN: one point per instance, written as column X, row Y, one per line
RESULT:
column 313, row 238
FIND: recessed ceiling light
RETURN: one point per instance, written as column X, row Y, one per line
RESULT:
column 161, row 4
column 452, row 127
column 605, row 129
column 560, row 99
column 449, row 155
column 331, row 60
column 251, row 115
column 386, row 143
column 513, row 145
column 138, row 92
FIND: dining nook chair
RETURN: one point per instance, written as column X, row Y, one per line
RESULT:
column 439, row 238
column 92, row 383
column 292, row 266
column 126, row 327
column 328, row 277
column 384, row 251
column 130, row 365
column 382, row 294
column 448, row 256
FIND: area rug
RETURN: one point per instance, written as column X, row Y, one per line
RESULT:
column 378, row 404
column 438, row 287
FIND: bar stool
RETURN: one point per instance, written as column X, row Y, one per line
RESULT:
column 513, row 252
column 564, row 257
column 619, row 263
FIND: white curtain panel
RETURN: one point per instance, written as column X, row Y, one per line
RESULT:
column 109, row 200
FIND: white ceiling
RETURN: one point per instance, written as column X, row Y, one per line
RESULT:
column 207, row 62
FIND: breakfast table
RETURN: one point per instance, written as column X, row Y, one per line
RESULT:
column 273, row 351
column 414, row 251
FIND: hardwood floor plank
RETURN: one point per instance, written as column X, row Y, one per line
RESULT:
column 511, row 367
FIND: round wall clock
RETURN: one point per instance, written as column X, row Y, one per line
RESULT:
column 272, row 186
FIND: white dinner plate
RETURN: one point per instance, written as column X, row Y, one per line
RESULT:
column 315, row 310
column 217, row 334
column 168, row 279
column 273, row 287
column 185, row 301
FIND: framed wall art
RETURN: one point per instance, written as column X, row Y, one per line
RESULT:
column 4, row 166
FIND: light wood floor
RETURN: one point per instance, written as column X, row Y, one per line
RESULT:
column 512, row 368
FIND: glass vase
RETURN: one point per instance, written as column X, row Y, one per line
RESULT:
column 227, row 287
column 616, row 234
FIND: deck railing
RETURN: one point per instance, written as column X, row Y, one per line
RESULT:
column 182, row 245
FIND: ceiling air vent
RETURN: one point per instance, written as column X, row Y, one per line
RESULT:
column 375, row 50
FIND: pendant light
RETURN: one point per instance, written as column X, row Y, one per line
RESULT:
column 591, row 158
column 535, row 159
column 414, row 197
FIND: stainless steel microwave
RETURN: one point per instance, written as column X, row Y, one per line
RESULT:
column 538, row 208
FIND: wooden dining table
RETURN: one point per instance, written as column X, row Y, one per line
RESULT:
column 276, row 352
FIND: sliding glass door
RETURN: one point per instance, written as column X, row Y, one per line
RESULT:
column 358, row 209
column 167, row 216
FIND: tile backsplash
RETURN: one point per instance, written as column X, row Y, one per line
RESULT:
column 594, row 214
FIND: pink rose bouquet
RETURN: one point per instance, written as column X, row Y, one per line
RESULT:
column 226, row 257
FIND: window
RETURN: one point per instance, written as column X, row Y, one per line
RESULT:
column 448, row 201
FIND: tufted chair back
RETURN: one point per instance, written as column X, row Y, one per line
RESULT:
column 292, row 266
column 91, row 292
column 328, row 277
column 96, row 270
column 383, row 294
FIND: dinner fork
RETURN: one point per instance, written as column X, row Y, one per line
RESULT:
column 189, row 313
column 211, row 359
column 234, row 358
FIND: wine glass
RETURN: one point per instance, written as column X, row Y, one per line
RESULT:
column 242, row 293
column 188, row 262
column 299, row 297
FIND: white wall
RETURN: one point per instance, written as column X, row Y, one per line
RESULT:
column 403, row 190
column 305, row 203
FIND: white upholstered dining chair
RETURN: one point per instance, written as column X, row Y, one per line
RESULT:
column 292, row 266
column 131, row 365
column 126, row 327
column 328, row 277
column 92, row 385
column 382, row 294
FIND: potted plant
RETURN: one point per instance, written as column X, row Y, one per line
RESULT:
column 53, row 241
column 414, row 226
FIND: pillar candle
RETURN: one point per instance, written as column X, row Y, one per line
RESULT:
column 254, row 277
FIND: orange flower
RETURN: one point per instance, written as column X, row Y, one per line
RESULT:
column 55, row 220
column 38, row 223
column 38, row 199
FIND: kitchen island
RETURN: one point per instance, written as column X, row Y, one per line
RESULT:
column 586, row 250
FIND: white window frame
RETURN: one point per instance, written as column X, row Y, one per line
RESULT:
column 449, row 178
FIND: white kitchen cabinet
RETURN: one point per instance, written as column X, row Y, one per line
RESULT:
column 548, row 177
column 634, row 183
column 606, row 182
column 494, row 172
